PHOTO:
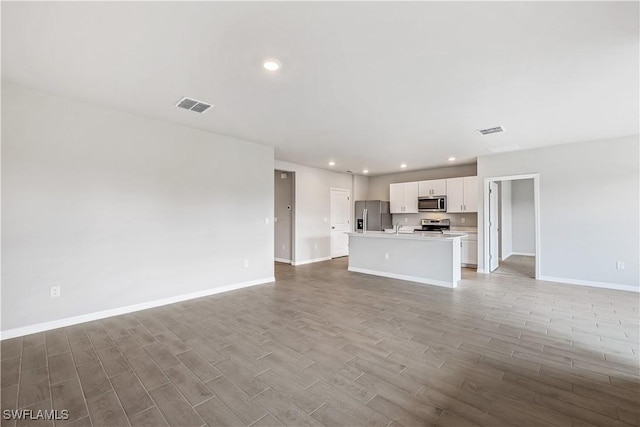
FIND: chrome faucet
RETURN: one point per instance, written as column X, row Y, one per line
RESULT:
column 397, row 227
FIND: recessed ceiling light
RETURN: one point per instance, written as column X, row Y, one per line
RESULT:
column 404, row 165
column 365, row 171
column 332, row 163
column 451, row 159
column 272, row 64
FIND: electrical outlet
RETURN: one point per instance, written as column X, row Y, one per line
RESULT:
column 55, row 291
column 620, row 265
column 386, row 255
column 463, row 220
column 266, row 221
column 246, row 263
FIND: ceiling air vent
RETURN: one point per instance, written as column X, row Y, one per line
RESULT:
column 489, row 131
column 193, row 105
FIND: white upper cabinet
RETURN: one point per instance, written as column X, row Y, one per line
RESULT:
column 396, row 198
column 411, row 197
column 470, row 194
column 455, row 195
column 404, row 197
column 434, row 187
column 462, row 194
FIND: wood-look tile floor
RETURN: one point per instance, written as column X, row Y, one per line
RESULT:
column 323, row 346
column 517, row 265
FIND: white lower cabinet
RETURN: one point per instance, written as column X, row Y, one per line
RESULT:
column 469, row 253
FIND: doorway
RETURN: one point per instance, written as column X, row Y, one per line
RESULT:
column 284, row 216
column 511, row 226
column 340, row 208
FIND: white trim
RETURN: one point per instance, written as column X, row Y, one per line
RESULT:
column 485, row 211
column 54, row 324
column 403, row 277
column 579, row 282
column 286, row 261
column 522, row 254
column 311, row 261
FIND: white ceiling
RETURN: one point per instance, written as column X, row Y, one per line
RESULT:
column 365, row 84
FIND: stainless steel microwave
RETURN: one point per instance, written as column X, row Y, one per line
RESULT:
column 432, row 204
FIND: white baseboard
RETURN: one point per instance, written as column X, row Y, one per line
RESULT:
column 594, row 284
column 522, row 254
column 286, row 261
column 311, row 261
column 403, row 277
column 60, row 323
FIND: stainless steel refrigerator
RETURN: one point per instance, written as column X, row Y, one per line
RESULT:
column 378, row 215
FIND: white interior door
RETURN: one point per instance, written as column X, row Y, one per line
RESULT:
column 340, row 213
column 493, row 225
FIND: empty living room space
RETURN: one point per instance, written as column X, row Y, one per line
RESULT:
column 320, row 213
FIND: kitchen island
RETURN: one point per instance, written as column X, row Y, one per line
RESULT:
column 427, row 258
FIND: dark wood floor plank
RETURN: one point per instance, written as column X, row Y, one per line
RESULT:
column 280, row 407
column 10, row 372
column 236, row 400
column 131, row 393
column 34, row 356
column 202, row 369
column 191, row 388
column 215, row 413
column 149, row 418
column 34, row 387
column 105, row 410
column 148, row 372
column 68, row 395
column 175, row 409
column 57, row 342
column 10, row 348
column 93, row 379
column 161, row 355
column 113, row 362
column 61, row 367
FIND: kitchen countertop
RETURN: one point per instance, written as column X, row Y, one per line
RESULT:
column 465, row 229
column 409, row 236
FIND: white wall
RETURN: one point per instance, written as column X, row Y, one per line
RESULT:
column 506, row 233
column 121, row 210
column 312, row 203
column 523, row 217
column 580, row 238
column 283, row 188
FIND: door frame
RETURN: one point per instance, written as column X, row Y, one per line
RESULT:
column 496, row 226
column 485, row 208
column 293, row 213
column 350, row 225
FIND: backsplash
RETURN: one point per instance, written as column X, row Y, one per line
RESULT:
column 470, row 219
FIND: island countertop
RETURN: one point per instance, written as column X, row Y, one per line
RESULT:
column 410, row 236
